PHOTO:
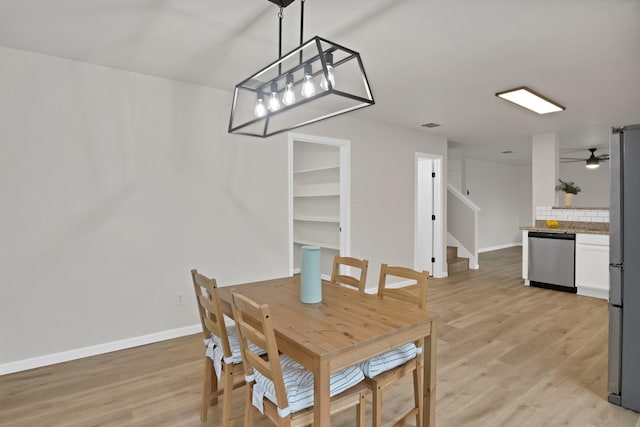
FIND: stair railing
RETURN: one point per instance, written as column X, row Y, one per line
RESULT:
column 462, row 225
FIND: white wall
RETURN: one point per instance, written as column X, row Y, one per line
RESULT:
column 594, row 184
column 115, row 184
column 503, row 192
column 544, row 163
column 526, row 210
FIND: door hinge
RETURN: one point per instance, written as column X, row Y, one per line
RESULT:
column 433, row 259
column 433, row 217
column 433, row 174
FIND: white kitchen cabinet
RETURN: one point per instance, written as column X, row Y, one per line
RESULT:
column 592, row 265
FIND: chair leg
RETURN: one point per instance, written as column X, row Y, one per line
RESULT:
column 207, row 386
column 249, row 409
column 376, row 406
column 227, row 384
column 214, row 384
column 417, row 395
column 361, row 412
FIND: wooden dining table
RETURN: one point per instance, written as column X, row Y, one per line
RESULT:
column 346, row 328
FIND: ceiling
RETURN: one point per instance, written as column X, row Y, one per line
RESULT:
column 436, row 61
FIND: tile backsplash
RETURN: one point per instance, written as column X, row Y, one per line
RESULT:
column 572, row 214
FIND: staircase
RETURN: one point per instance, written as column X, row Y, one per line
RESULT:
column 456, row 264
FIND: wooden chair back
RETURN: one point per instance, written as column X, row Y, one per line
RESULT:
column 414, row 294
column 211, row 315
column 355, row 282
column 253, row 323
column 411, row 293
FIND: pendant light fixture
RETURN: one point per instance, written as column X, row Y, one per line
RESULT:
column 300, row 86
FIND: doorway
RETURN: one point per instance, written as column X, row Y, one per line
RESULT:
column 429, row 215
column 319, row 210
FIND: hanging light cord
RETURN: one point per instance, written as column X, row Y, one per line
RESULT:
column 301, row 20
column 301, row 25
column 280, row 16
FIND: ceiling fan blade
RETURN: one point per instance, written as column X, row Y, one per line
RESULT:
column 572, row 160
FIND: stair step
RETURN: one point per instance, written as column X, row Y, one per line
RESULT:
column 452, row 252
column 457, row 265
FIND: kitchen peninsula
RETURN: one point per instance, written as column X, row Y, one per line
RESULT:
column 591, row 229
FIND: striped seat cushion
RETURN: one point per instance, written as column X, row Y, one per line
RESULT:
column 299, row 384
column 389, row 360
column 215, row 351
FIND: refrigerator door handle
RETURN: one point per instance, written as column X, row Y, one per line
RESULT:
column 615, row 285
column 616, row 205
column 615, row 353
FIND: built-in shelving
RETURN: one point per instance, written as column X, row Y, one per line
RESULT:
column 316, row 200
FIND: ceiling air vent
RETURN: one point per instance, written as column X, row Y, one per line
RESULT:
column 430, row 125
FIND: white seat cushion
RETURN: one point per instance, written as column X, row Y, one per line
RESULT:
column 299, row 384
column 389, row 360
column 215, row 351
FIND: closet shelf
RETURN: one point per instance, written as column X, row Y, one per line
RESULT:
column 301, row 196
column 316, row 219
column 319, row 244
column 322, row 169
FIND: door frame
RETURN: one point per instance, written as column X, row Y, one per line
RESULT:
column 345, row 188
column 422, row 218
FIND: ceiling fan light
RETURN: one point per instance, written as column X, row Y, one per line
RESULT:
column 525, row 97
column 593, row 162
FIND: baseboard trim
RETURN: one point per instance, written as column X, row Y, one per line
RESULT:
column 94, row 350
column 593, row 292
column 495, row 248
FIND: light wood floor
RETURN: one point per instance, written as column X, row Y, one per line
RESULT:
column 508, row 355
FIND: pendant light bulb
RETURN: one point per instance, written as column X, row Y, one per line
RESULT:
column 289, row 96
column 308, row 88
column 324, row 84
column 260, row 110
column 274, row 101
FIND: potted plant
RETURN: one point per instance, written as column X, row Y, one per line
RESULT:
column 569, row 188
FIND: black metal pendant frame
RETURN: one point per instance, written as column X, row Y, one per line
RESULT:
column 324, row 104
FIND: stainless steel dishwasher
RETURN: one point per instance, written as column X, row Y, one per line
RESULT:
column 552, row 260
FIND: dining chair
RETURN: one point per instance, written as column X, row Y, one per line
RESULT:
column 222, row 358
column 350, row 281
column 279, row 387
column 395, row 364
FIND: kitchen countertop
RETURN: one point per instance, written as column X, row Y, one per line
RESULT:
column 565, row 230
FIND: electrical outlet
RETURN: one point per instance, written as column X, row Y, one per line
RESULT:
column 180, row 298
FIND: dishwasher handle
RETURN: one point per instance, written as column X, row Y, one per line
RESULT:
column 547, row 235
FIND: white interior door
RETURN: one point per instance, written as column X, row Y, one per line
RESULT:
column 428, row 248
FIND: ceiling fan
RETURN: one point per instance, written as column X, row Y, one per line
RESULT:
column 592, row 162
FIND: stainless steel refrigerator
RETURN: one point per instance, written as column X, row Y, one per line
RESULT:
column 624, row 268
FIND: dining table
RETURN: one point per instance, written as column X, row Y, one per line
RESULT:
column 345, row 328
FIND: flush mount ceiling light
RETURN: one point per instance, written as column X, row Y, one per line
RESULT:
column 525, row 97
column 315, row 81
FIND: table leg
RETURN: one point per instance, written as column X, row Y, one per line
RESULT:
column 322, row 401
column 429, row 386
